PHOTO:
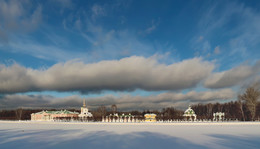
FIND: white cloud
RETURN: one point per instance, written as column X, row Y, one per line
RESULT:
column 15, row 16
column 217, row 50
column 152, row 27
column 125, row 74
column 249, row 32
column 97, row 11
column 41, row 51
column 113, row 44
column 242, row 35
column 108, row 44
column 232, row 77
column 201, row 45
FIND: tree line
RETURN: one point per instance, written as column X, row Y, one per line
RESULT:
column 246, row 108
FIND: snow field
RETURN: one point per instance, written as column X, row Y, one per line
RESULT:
column 27, row 134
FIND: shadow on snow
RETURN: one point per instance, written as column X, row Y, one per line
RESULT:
column 105, row 140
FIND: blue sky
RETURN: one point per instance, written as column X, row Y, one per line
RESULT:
column 170, row 53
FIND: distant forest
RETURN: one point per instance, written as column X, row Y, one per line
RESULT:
column 246, row 108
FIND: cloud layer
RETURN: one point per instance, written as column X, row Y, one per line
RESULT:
column 18, row 16
column 233, row 76
column 125, row 74
column 168, row 99
column 123, row 102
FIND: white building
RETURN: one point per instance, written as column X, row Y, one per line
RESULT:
column 218, row 116
column 52, row 115
column 84, row 111
column 190, row 114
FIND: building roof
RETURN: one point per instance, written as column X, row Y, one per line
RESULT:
column 57, row 112
column 150, row 114
column 189, row 111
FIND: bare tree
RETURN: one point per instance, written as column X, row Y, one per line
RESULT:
column 209, row 110
column 240, row 101
column 18, row 113
column 114, row 108
column 102, row 110
column 250, row 97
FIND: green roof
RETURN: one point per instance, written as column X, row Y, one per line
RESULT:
column 189, row 111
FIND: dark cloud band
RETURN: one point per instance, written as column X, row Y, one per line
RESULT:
column 125, row 74
column 123, row 102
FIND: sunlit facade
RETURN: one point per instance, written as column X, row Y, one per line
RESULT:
column 150, row 117
column 52, row 115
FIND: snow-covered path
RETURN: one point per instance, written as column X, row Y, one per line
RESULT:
column 128, row 135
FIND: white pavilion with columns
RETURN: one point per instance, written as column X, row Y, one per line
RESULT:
column 190, row 114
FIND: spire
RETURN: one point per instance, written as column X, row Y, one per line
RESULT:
column 84, row 103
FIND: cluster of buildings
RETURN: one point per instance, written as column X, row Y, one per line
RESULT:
column 124, row 118
column 128, row 118
column 45, row 115
column 189, row 115
column 54, row 115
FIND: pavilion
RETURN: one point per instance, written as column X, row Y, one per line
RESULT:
column 189, row 114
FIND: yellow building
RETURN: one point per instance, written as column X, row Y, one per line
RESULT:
column 150, row 117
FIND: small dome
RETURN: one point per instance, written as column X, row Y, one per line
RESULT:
column 189, row 111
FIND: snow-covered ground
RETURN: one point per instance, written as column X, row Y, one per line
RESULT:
column 129, row 135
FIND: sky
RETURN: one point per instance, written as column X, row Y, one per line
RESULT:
column 139, row 55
